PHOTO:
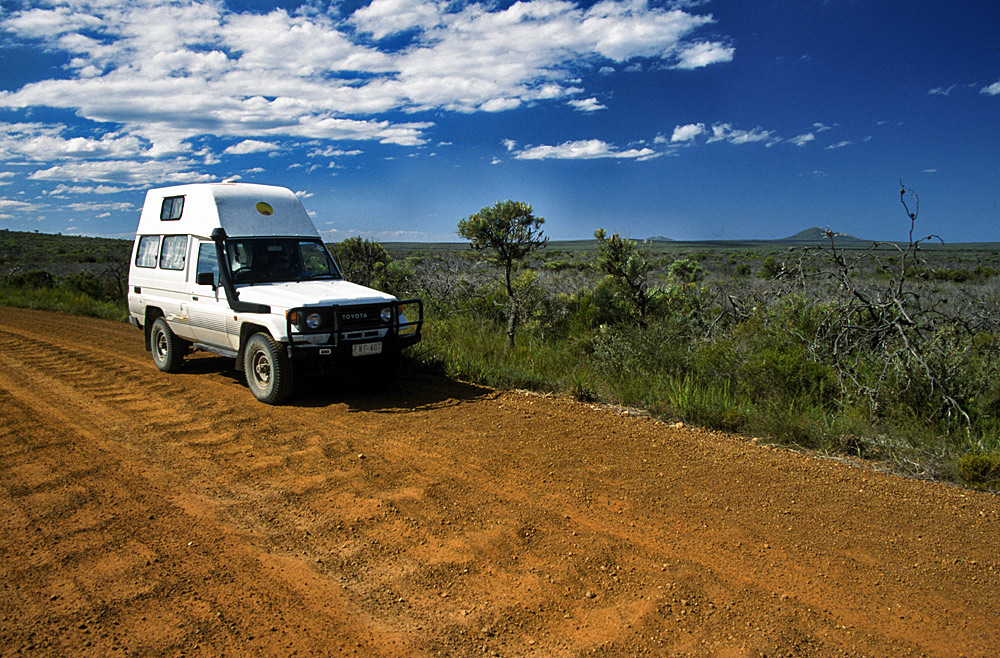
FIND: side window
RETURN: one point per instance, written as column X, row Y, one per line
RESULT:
column 207, row 262
column 172, row 252
column 172, row 208
column 149, row 247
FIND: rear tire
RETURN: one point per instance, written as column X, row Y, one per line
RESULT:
column 168, row 350
column 267, row 368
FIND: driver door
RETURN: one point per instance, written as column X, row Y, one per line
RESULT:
column 209, row 309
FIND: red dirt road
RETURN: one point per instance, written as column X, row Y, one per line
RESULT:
column 166, row 515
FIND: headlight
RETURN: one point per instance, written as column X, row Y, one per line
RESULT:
column 386, row 314
column 314, row 320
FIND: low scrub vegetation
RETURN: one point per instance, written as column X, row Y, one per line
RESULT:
column 876, row 351
column 887, row 352
column 80, row 293
column 62, row 299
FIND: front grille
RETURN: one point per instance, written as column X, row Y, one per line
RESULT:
column 362, row 335
column 356, row 318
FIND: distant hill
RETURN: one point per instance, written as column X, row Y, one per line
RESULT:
column 815, row 234
column 808, row 236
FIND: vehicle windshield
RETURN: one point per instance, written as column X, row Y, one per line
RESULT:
column 268, row 260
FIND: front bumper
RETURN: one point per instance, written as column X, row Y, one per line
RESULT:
column 351, row 325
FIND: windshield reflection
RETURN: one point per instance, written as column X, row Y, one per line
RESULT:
column 270, row 260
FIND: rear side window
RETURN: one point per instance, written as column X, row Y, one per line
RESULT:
column 172, row 252
column 149, row 247
column 172, row 208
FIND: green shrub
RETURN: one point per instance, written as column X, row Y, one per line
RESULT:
column 36, row 279
column 398, row 278
column 556, row 265
column 767, row 356
column 709, row 405
column 566, row 315
column 85, row 282
column 607, row 305
column 363, row 261
column 792, row 422
column 959, row 275
column 583, row 388
column 770, row 269
column 981, row 470
column 686, row 270
column 628, row 269
column 631, row 352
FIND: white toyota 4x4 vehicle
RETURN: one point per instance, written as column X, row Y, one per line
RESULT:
column 240, row 270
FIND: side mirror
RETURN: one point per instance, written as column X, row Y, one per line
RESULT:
column 205, row 279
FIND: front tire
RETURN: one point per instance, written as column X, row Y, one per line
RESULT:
column 168, row 349
column 268, row 369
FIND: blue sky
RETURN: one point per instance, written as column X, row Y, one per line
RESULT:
column 394, row 119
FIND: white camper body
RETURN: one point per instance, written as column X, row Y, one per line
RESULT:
column 240, row 270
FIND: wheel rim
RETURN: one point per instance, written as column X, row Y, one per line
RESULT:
column 261, row 368
column 161, row 345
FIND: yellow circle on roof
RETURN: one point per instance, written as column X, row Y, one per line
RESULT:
column 265, row 208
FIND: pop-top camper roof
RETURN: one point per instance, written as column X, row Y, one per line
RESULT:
column 242, row 209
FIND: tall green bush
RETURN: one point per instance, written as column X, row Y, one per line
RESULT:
column 628, row 270
column 506, row 233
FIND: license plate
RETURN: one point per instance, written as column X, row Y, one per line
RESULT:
column 365, row 349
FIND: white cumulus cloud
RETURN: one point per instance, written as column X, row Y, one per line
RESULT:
column 942, row 91
column 726, row 132
column 169, row 71
column 251, row 146
column 150, row 81
column 62, row 190
column 123, row 172
column 589, row 149
column 96, row 206
column 803, row 139
column 687, row 132
column 331, row 152
column 587, row 105
column 7, row 205
column 704, row 54
column 40, row 142
column 384, row 17
column 992, row 90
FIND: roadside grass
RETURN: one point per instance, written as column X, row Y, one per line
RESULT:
column 464, row 348
column 63, row 300
column 755, row 377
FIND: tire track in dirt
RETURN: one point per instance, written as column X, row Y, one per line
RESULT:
column 442, row 518
column 141, row 595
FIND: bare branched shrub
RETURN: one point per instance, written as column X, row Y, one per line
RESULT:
column 884, row 337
